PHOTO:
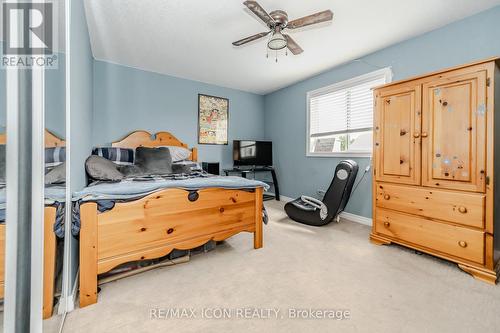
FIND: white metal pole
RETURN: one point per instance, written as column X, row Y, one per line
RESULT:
column 37, row 197
column 67, row 302
column 12, row 180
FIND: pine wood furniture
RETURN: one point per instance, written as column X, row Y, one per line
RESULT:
column 151, row 227
column 49, row 242
column 434, row 163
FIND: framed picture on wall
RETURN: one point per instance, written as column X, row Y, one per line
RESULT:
column 213, row 118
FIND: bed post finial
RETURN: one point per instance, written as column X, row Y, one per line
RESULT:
column 194, row 154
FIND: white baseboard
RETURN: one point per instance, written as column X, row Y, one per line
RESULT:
column 67, row 304
column 356, row 218
column 343, row 216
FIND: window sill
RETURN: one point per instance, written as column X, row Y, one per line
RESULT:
column 367, row 154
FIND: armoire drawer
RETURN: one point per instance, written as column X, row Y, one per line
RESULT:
column 457, row 207
column 453, row 240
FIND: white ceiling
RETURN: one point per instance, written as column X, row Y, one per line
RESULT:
column 192, row 38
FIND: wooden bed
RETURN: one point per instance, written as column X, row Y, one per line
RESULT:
column 153, row 226
column 49, row 242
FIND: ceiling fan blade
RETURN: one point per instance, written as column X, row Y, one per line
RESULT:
column 259, row 11
column 293, row 46
column 323, row 16
column 251, row 38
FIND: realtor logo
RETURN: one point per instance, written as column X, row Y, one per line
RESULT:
column 28, row 33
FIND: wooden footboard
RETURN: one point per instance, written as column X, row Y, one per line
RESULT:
column 153, row 226
column 49, row 261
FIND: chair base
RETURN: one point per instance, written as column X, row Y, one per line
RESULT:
column 309, row 217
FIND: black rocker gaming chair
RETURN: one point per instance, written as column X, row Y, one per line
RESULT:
column 314, row 212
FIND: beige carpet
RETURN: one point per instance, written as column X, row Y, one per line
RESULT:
column 385, row 288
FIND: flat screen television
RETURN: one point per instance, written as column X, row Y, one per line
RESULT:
column 258, row 153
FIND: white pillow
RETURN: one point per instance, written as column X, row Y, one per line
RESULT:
column 178, row 153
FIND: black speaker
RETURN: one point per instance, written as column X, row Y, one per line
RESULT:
column 211, row 167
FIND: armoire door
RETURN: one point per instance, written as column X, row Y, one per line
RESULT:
column 454, row 131
column 397, row 134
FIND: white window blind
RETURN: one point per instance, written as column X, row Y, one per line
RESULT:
column 345, row 110
column 341, row 116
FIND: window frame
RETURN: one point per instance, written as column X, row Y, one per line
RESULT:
column 384, row 72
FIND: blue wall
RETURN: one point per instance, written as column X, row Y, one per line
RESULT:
column 54, row 98
column 81, row 107
column 55, row 101
column 81, row 94
column 128, row 99
column 3, row 98
column 474, row 38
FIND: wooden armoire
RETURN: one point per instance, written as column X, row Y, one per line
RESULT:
column 434, row 163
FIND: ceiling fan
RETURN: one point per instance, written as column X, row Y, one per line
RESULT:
column 277, row 21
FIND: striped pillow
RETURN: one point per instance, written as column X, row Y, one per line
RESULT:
column 54, row 156
column 121, row 156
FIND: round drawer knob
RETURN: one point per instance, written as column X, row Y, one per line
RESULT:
column 462, row 209
column 416, row 135
column 169, row 231
column 462, row 244
column 387, row 196
column 387, row 224
column 424, row 134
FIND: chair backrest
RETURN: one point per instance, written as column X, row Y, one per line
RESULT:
column 337, row 195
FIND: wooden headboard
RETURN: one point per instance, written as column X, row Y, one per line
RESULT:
column 146, row 139
column 51, row 140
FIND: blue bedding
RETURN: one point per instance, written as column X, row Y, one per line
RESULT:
column 55, row 195
column 139, row 187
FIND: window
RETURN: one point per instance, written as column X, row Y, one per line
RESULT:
column 340, row 116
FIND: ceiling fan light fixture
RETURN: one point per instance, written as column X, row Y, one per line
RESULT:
column 277, row 41
column 277, row 21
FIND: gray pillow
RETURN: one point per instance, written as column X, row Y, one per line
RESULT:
column 99, row 168
column 130, row 170
column 154, row 161
column 56, row 175
column 181, row 168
